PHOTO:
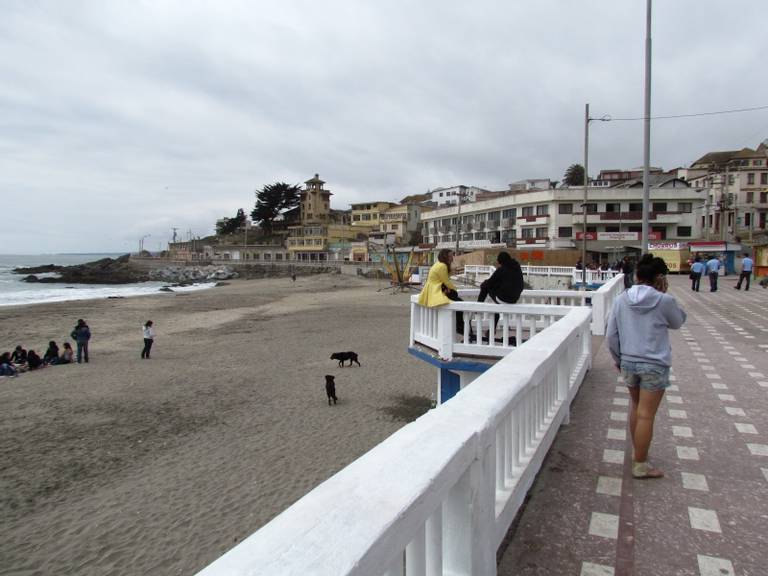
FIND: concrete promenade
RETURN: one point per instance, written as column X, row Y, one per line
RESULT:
column 709, row 516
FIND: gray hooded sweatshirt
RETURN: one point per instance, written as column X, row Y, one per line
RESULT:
column 637, row 328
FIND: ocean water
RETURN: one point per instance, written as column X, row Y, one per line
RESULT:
column 15, row 292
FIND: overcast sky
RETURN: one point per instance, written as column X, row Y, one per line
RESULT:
column 125, row 118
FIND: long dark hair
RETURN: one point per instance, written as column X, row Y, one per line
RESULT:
column 444, row 257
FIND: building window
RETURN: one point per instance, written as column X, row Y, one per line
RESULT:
column 542, row 210
column 659, row 207
column 635, row 206
column 278, row 256
column 750, row 197
column 565, row 231
column 611, row 228
column 750, row 178
column 757, row 162
column 613, row 207
column 764, row 178
column 527, row 233
column 683, row 231
column 731, row 180
column 763, row 197
column 592, row 229
column 686, row 207
column 541, row 232
column 527, row 211
column 510, row 213
column 661, row 231
column 591, row 208
column 565, row 208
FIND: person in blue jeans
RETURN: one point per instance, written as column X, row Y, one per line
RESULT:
column 746, row 272
column 638, row 339
column 81, row 334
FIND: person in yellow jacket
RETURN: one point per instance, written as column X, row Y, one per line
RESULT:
column 438, row 289
column 438, row 281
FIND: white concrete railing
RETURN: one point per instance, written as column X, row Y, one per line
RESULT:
column 602, row 303
column 480, row 272
column 438, row 496
column 436, row 327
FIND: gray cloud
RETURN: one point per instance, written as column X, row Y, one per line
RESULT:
column 123, row 119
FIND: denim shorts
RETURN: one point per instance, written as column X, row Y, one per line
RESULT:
column 653, row 377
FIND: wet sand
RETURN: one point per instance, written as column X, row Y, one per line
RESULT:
column 130, row 466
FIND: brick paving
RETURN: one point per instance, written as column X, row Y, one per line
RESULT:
column 586, row 516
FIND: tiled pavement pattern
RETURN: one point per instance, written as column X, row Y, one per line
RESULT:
column 586, row 516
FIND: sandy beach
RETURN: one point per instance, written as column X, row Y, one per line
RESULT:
column 130, row 466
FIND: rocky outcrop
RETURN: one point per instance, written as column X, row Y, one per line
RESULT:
column 104, row 271
column 123, row 271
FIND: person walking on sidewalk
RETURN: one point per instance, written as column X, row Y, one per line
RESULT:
column 746, row 272
column 713, row 269
column 697, row 269
column 638, row 339
column 81, row 334
column 149, row 338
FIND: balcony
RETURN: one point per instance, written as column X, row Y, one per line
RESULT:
column 535, row 219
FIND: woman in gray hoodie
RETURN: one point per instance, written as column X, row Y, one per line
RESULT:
column 638, row 339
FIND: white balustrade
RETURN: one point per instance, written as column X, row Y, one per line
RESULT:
column 438, row 496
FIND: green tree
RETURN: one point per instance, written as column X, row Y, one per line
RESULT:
column 273, row 199
column 574, row 176
column 227, row 226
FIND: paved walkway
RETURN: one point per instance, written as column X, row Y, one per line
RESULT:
column 709, row 516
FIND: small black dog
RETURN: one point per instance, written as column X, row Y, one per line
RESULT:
column 344, row 356
column 330, row 389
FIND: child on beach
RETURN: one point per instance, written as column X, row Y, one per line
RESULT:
column 34, row 361
column 149, row 337
column 67, row 355
column 19, row 355
column 6, row 366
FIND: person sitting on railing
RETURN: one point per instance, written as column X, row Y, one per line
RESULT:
column 505, row 284
column 438, row 289
column 638, row 339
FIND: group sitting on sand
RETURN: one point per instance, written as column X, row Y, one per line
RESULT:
column 21, row 360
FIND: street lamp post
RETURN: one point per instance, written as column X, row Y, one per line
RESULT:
column 458, row 219
column 141, row 243
column 647, row 132
column 587, row 120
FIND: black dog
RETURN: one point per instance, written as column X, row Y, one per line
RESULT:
column 344, row 356
column 330, row 389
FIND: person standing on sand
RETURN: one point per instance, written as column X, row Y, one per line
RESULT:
column 149, row 338
column 82, row 335
column 638, row 339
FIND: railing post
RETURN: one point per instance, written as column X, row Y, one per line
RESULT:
column 598, row 313
column 446, row 322
column 434, row 543
column 470, row 520
column 414, row 319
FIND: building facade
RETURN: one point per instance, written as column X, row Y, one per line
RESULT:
column 554, row 219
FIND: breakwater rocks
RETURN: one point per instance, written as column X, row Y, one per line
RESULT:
column 192, row 274
column 122, row 271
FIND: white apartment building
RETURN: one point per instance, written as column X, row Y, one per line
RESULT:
column 450, row 195
column 554, row 219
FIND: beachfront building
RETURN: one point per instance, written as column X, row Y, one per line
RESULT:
column 554, row 218
column 323, row 234
column 369, row 214
column 737, row 191
column 248, row 253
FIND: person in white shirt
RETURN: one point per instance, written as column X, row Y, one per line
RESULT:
column 149, row 338
column 746, row 272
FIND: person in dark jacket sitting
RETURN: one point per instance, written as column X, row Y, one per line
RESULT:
column 52, row 353
column 506, row 283
column 34, row 361
column 19, row 355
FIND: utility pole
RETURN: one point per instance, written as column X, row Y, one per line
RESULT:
column 647, row 131
column 586, row 184
column 458, row 219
